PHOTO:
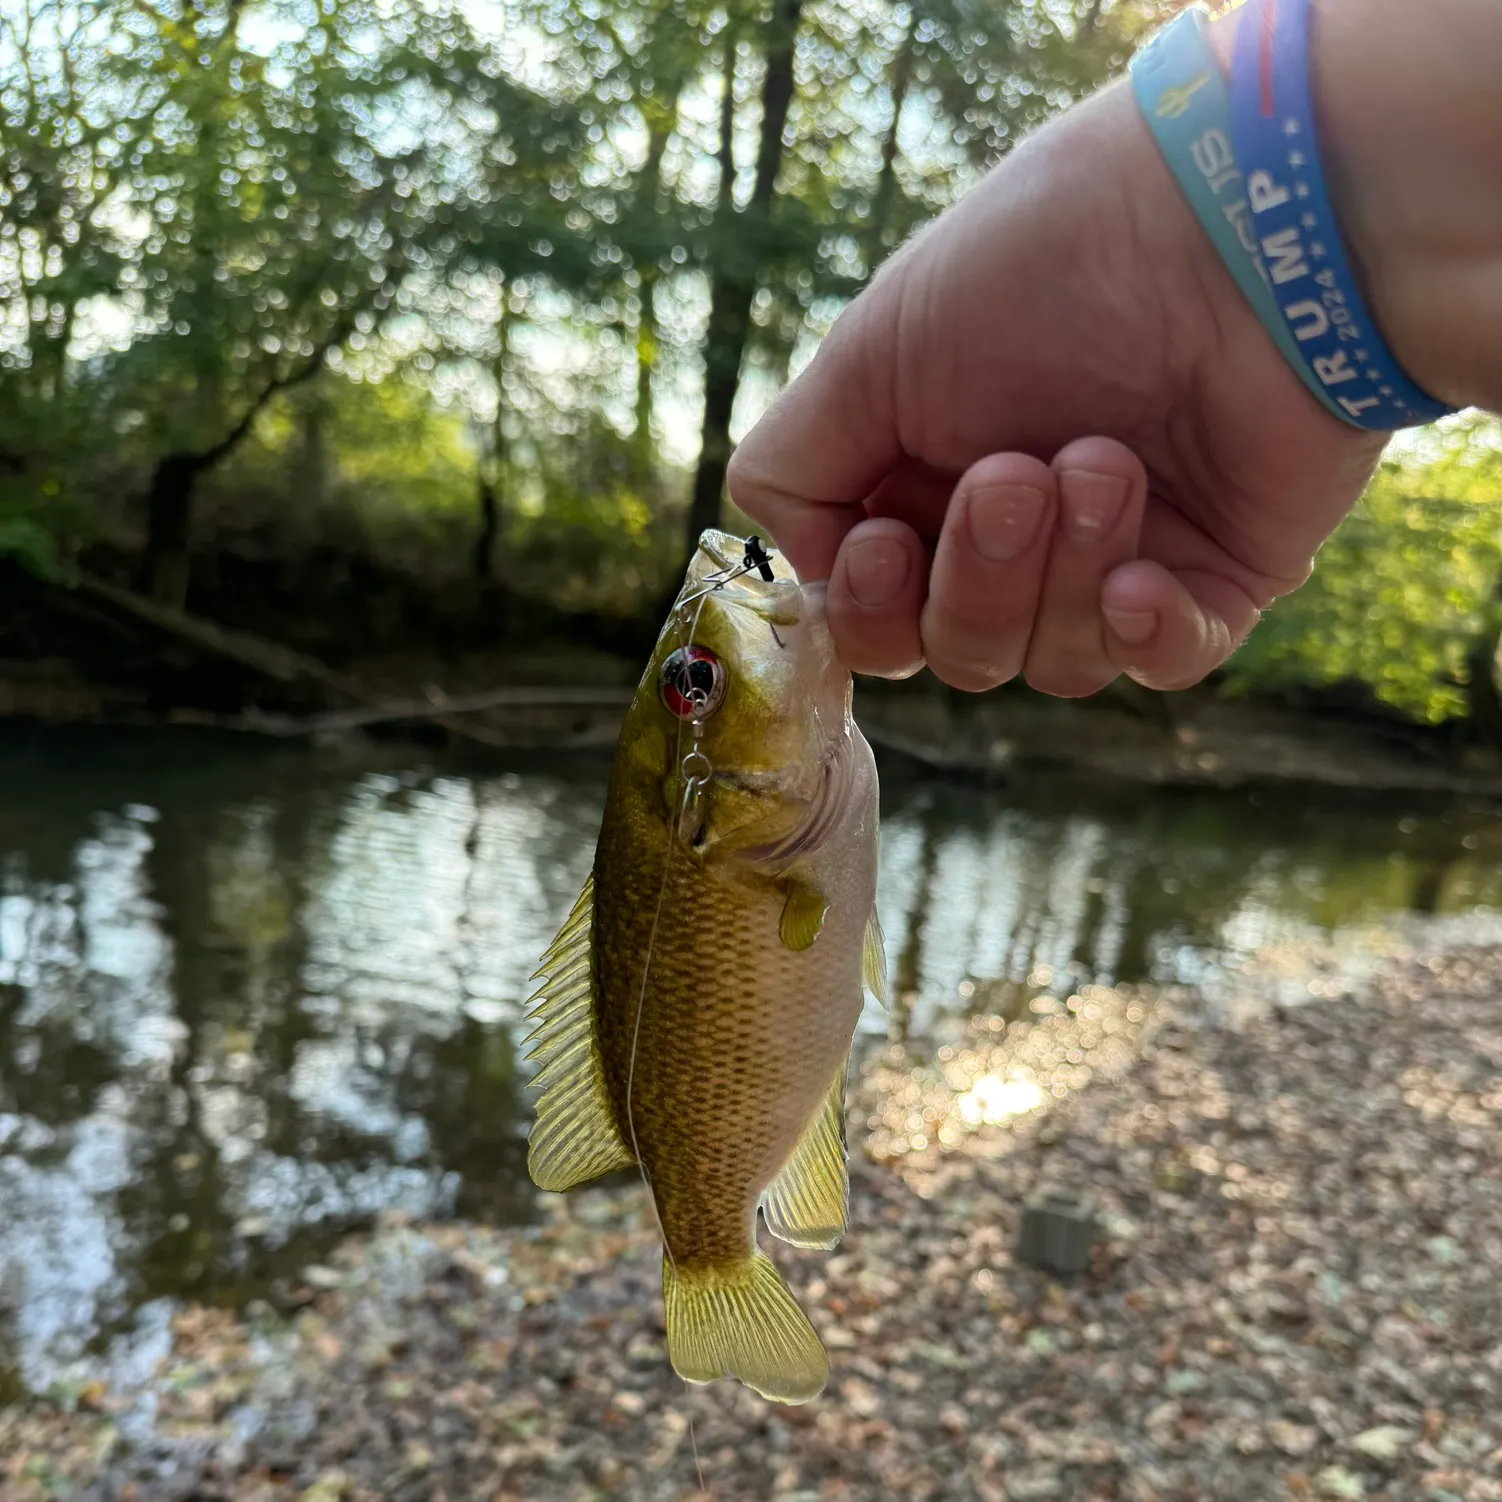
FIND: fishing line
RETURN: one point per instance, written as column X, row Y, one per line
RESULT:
column 694, row 784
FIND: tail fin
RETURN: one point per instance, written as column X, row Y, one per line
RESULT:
column 742, row 1322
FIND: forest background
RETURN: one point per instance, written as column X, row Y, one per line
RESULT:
column 421, row 332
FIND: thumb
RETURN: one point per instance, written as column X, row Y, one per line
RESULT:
column 826, row 442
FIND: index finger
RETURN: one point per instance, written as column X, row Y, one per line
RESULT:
column 826, row 442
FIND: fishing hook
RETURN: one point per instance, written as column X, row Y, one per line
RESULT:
column 755, row 560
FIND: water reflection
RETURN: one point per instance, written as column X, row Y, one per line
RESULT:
column 250, row 997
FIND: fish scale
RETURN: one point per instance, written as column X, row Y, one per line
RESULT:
column 773, row 1057
column 728, row 927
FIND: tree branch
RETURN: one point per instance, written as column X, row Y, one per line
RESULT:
column 314, row 363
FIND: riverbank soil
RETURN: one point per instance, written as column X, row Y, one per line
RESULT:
column 381, row 655
column 1295, row 1296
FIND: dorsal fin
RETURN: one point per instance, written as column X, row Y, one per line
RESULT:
column 574, row 1138
column 807, row 1204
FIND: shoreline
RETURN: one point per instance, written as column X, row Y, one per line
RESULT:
column 1192, row 741
column 1295, row 1297
column 102, row 655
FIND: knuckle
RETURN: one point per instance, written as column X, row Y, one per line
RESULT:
column 742, row 478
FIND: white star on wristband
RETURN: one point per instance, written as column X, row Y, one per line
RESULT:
column 1295, row 159
column 1290, row 126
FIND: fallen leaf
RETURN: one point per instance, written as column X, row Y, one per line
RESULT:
column 1385, row 1442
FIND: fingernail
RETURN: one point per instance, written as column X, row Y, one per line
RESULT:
column 1132, row 626
column 1090, row 503
column 876, row 570
column 1004, row 520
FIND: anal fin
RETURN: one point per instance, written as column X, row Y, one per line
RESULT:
column 808, row 1203
column 574, row 1138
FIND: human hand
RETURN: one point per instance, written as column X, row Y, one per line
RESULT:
column 931, row 462
column 1072, row 293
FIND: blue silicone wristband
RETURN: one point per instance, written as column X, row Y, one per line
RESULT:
column 1184, row 100
column 1317, row 296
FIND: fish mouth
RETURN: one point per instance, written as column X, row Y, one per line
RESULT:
column 821, row 813
column 723, row 565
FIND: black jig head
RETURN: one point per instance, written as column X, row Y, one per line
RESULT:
column 758, row 559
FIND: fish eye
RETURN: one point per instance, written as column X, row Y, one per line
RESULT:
column 692, row 683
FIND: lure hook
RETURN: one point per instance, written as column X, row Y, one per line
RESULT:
column 755, row 560
column 758, row 558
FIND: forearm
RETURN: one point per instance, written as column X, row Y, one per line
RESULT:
column 1409, row 110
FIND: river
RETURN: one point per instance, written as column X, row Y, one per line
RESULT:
column 252, row 995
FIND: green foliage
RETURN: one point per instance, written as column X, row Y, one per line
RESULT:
column 381, row 470
column 363, row 261
column 1404, row 588
column 200, row 206
column 376, row 470
column 29, row 542
column 589, row 532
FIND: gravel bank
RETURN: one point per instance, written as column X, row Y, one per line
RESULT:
column 1298, row 1296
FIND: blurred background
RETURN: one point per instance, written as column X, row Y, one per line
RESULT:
column 361, row 352
column 408, row 335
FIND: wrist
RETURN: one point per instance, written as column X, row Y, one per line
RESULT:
column 1410, row 126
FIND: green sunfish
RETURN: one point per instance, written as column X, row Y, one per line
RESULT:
column 697, row 1008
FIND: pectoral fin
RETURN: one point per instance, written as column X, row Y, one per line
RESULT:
column 802, row 915
column 574, row 1138
column 807, row 1203
column 874, row 960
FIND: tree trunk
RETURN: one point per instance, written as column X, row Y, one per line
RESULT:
column 879, row 240
column 169, row 511
column 492, row 478
column 729, row 325
column 733, row 281
column 646, row 363
column 490, row 521
column 169, row 498
column 314, row 482
column 661, row 124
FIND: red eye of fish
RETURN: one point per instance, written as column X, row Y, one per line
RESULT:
column 692, row 683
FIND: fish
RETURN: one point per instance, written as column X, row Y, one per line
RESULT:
column 696, row 1011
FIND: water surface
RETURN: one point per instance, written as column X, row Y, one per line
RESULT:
column 252, row 995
